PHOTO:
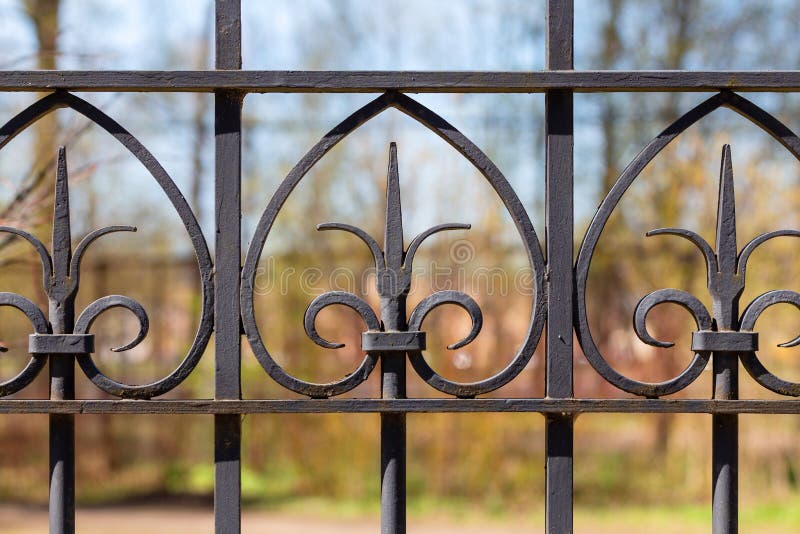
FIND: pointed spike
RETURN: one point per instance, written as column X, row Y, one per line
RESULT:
column 393, row 237
column 726, row 216
column 62, row 237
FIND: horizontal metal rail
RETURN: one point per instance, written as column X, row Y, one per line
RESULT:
column 544, row 406
column 273, row 81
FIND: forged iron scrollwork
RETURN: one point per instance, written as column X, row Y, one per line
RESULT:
column 37, row 361
column 392, row 334
column 722, row 331
column 62, row 336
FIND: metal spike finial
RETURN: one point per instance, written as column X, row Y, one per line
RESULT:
column 62, row 237
column 726, row 216
column 393, row 236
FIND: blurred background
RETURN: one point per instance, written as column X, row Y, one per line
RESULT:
column 633, row 473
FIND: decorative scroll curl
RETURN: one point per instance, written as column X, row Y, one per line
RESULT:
column 418, row 360
column 37, row 361
column 84, row 323
column 722, row 330
column 393, row 263
column 61, row 267
column 750, row 361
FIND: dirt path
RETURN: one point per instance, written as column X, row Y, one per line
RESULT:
column 154, row 520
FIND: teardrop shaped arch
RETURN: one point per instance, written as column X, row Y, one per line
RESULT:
column 479, row 160
column 727, row 99
column 63, row 99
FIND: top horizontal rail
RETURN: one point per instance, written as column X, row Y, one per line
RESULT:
column 406, row 81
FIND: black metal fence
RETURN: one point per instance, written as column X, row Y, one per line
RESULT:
column 392, row 337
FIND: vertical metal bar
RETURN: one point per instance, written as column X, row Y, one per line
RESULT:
column 227, row 261
column 725, row 455
column 725, row 447
column 725, row 309
column 62, row 464
column 393, row 463
column 559, row 206
column 393, row 365
column 61, row 297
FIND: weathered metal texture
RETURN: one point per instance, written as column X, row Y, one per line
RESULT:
column 721, row 332
column 60, row 289
column 559, row 141
column 62, row 339
column 414, row 405
column 298, row 81
column 726, row 269
column 227, row 260
column 61, row 272
column 727, row 341
column 392, row 336
column 60, row 343
column 393, row 265
column 392, row 341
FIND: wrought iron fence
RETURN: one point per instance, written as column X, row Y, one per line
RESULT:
column 392, row 337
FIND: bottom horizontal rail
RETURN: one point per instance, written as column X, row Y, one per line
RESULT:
column 544, row 406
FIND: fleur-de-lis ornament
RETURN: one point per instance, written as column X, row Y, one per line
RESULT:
column 393, row 335
column 724, row 331
column 396, row 337
column 61, row 335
